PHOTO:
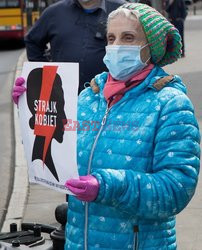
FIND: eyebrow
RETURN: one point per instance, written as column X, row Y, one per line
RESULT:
column 123, row 33
column 129, row 32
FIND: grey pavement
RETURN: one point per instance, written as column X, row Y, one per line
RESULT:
column 9, row 54
column 38, row 203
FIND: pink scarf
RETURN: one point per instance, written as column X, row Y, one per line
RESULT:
column 114, row 90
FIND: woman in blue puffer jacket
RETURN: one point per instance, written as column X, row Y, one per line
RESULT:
column 138, row 141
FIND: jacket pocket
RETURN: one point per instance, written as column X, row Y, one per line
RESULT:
column 135, row 242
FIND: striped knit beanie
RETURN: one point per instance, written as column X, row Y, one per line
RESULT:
column 163, row 38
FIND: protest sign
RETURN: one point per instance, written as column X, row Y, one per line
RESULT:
column 49, row 101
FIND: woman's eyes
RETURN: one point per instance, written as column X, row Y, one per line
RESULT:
column 110, row 39
column 127, row 38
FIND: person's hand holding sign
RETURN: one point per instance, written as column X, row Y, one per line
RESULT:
column 85, row 188
column 18, row 89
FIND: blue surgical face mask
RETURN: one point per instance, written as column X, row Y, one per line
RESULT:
column 124, row 61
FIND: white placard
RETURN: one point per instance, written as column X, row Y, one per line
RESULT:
column 49, row 101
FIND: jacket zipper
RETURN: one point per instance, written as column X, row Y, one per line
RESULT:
column 104, row 119
column 135, row 243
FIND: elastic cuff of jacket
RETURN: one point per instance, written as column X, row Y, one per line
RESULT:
column 101, row 187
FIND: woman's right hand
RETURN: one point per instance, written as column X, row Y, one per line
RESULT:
column 18, row 89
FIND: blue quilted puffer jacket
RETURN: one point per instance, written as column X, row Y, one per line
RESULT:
column 145, row 153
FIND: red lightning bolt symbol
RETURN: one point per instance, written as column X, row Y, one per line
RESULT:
column 48, row 77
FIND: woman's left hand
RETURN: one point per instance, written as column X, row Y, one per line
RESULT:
column 85, row 188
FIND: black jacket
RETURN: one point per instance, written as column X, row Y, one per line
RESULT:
column 74, row 36
column 177, row 10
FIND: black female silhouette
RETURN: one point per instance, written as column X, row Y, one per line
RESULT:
column 51, row 109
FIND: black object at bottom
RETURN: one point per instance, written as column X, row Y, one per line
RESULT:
column 31, row 233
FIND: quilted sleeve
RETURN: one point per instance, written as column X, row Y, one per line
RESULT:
column 170, row 186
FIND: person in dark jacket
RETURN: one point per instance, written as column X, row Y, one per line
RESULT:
column 177, row 12
column 75, row 30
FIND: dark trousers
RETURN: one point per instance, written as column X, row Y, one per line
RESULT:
column 179, row 24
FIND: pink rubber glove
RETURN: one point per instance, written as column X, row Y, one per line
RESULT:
column 85, row 188
column 18, row 89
